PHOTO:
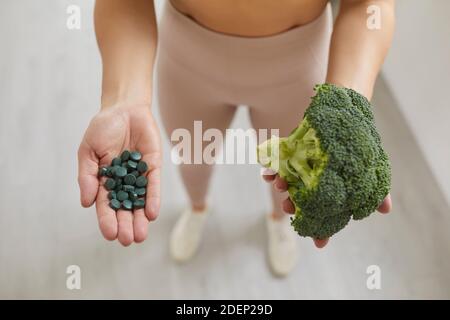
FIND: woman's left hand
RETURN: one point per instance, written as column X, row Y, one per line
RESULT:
column 280, row 185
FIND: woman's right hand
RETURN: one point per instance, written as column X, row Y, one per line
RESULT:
column 114, row 129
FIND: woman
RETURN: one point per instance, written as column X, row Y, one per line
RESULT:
column 213, row 56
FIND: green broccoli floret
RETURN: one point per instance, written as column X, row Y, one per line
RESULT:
column 333, row 162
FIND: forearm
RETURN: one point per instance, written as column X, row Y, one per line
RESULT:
column 127, row 37
column 356, row 52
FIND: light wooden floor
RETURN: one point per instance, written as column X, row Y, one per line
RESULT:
column 49, row 84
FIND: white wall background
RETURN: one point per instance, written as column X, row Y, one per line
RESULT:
column 417, row 70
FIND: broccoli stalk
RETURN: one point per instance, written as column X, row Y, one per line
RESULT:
column 333, row 162
column 296, row 158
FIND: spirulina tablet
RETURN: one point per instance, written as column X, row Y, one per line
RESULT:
column 125, row 155
column 142, row 166
column 119, row 181
column 102, row 171
column 135, row 173
column 113, row 170
column 120, row 172
column 131, row 165
column 116, row 162
column 127, row 205
column 140, row 191
column 139, row 203
column 118, row 186
column 135, row 155
column 129, row 179
column 141, row 181
column 132, row 195
column 122, row 195
column 115, row 204
column 110, row 184
column 127, row 188
column 112, row 195
column 109, row 171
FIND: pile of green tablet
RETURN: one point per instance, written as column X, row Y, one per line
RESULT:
column 126, row 181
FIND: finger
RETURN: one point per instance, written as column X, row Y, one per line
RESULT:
column 288, row 206
column 386, row 205
column 152, row 202
column 320, row 243
column 268, row 178
column 140, row 225
column 280, row 184
column 87, row 175
column 107, row 220
column 125, row 223
column 268, row 174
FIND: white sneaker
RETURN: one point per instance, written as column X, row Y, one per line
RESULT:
column 186, row 235
column 282, row 242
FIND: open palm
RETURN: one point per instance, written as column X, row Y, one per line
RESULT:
column 112, row 130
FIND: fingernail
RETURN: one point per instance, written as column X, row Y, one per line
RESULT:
column 267, row 172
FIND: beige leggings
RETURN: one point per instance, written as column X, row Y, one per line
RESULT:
column 204, row 75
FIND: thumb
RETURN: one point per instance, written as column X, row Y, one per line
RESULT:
column 87, row 175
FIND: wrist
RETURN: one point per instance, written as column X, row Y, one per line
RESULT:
column 359, row 86
column 124, row 101
column 126, row 95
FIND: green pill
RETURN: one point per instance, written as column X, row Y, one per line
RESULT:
column 132, row 165
column 110, row 184
column 135, row 173
column 141, row 181
column 129, row 179
column 142, row 166
column 113, row 170
column 109, row 171
column 128, row 188
column 122, row 195
column 127, row 205
column 135, row 155
column 125, row 155
column 102, row 171
column 112, row 195
column 132, row 195
column 119, row 185
column 120, row 172
column 140, row 191
column 139, row 203
column 115, row 204
column 116, row 162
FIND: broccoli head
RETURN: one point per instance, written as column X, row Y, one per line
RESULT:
column 333, row 162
